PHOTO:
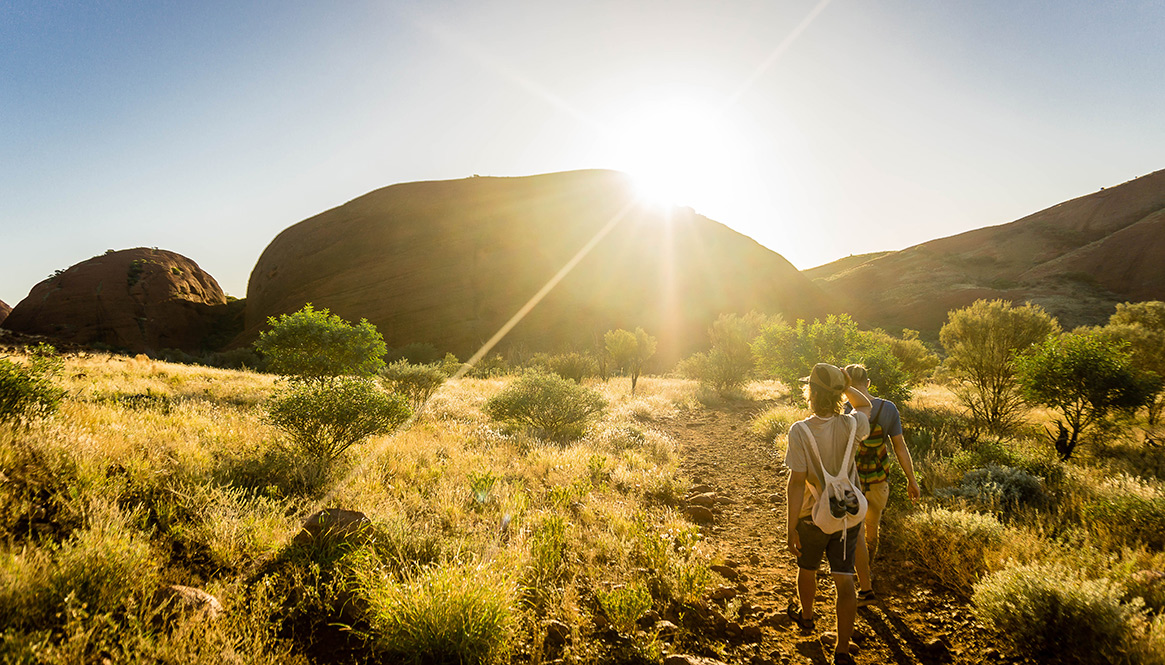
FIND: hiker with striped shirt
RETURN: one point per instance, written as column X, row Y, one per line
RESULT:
column 873, row 470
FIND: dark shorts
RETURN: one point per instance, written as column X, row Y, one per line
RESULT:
column 838, row 548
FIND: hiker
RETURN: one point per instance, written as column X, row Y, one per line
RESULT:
column 833, row 433
column 873, row 469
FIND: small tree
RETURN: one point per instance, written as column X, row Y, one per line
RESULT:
column 312, row 345
column 730, row 363
column 1142, row 325
column 1087, row 378
column 630, row 351
column 547, row 404
column 982, row 342
column 325, row 417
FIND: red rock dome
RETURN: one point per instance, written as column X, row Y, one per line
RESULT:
column 448, row 263
column 139, row 300
column 4, row 310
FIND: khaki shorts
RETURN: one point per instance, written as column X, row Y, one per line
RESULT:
column 877, row 496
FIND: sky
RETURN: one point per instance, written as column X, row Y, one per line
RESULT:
column 820, row 128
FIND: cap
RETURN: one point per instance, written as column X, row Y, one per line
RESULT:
column 827, row 377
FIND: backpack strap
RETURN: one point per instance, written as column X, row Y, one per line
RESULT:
column 849, row 449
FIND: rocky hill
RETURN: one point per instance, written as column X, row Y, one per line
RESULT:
column 4, row 310
column 139, row 300
column 448, row 263
column 1077, row 259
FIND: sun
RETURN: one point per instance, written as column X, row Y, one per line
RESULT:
column 677, row 152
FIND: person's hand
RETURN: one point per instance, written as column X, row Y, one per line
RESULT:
column 793, row 543
column 913, row 492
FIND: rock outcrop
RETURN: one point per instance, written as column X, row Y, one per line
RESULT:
column 138, row 300
column 1077, row 259
column 4, row 310
column 448, row 263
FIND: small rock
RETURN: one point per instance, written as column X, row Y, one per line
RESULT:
column 698, row 514
column 665, row 628
column 188, row 601
column 724, row 593
column 726, row 572
column 724, row 500
column 557, row 633
column 767, row 467
column 776, row 498
column 732, row 629
column 684, row 659
column 699, row 489
column 752, row 634
column 938, row 649
column 754, row 559
column 649, row 618
column 708, row 499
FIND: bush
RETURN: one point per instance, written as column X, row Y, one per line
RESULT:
column 789, row 353
column 445, row 615
column 1126, row 512
column 325, row 418
column 1000, row 487
column 546, row 404
column 416, row 383
column 313, row 345
column 1053, row 614
column 624, row 605
column 29, row 390
column 573, row 366
column 958, row 547
column 629, row 351
column 773, row 424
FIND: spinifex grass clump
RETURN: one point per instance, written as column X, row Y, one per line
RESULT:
column 546, row 404
column 956, row 546
column 1052, row 613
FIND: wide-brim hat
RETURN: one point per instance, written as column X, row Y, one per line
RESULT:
column 827, row 377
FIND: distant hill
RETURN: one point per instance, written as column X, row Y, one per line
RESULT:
column 1077, row 259
column 139, row 300
column 448, row 263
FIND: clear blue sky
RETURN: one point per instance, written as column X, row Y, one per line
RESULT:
column 820, row 129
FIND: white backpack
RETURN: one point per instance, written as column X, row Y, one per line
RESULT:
column 836, row 487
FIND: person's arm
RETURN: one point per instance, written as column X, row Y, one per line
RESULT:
column 907, row 464
column 795, row 497
column 858, row 400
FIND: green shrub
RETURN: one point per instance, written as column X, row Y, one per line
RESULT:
column 29, row 390
column 573, row 366
column 456, row 614
column 313, row 345
column 629, row 351
column 417, row 383
column 325, row 418
column 624, row 605
column 1051, row 613
column 773, row 424
column 547, row 405
column 1120, row 517
column 1000, row 486
column 954, row 545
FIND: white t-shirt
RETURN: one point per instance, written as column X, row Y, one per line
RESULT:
column 832, row 435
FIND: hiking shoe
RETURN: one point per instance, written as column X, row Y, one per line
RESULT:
column 794, row 612
column 840, row 658
column 867, row 597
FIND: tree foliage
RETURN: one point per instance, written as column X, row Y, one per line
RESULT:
column 1142, row 325
column 788, row 352
column 546, row 404
column 630, row 351
column 315, row 344
column 1086, row 377
column 982, row 342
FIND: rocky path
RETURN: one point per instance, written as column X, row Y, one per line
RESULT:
column 914, row 623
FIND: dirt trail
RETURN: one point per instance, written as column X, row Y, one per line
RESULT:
column 914, row 621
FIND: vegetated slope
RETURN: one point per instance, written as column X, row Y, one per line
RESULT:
column 140, row 300
column 4, row 310
column 449, row 262
column 1078, row 259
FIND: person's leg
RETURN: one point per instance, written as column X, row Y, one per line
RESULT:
column 806, row 591
column 847, row 609
column 876, row 497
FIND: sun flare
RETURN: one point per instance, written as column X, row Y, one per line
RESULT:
column 676, row 152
